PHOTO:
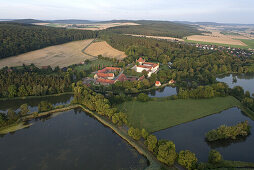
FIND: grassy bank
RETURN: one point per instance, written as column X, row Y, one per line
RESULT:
column 14, row 127
column 33, row 97
column 158, row 115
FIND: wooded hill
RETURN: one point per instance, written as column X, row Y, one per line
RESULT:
column 16, row 38
column 157, row 28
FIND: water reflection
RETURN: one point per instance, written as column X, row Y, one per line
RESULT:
column 244, row 80
column 163, row 92
column 33, row 103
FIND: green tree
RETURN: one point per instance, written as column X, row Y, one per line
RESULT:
column 24, row 109
column 167, row 153
column 143, row 97
column 12, row 90
column 151, row 142
column 214, row 157
column 187, row 159
column 144, row 133
column 44, row 106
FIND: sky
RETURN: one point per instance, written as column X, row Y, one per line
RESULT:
column 222, row 11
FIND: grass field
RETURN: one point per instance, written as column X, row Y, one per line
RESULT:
column 99, row 62
column 104, row 49
column 158, row 115
column 59, row 55
column 250, row 43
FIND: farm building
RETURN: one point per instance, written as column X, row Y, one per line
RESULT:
column 157, row 83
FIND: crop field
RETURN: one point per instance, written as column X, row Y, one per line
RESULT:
column 216, row 39
column 104, row 49
column 158, row 115
column 59, row 55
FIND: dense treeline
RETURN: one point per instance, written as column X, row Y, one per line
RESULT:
column 157, row 28
column 97, row 102
column 228, row 132
column 20, row 38
column 32, row 81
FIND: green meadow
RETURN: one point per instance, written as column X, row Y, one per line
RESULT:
column 158, row 115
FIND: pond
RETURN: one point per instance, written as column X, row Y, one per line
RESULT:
column 71, row 140
column 191, row 136
column 245, row 81
column 163, row 92
column 33, row 103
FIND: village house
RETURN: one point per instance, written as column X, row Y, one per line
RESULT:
column 157, row 83
column 106, row 76
column 146, row 66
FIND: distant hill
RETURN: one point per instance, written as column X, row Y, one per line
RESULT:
column 156, row 28
column 212, row 23
column 27, row 21
column 72, row 21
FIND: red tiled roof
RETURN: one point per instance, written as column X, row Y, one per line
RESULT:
column 108, row 69
column 141, row 59
column 142, row 66
column 141, row 78
column 105, row 74
column 157, row 82
column 105, row 81
column 151, row 64
column 122, row 77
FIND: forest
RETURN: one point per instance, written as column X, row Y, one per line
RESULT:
column 16, row 38
column 157, row 28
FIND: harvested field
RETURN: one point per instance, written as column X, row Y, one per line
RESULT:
column 157, row 37
column 95, row 27
column 213, row 38
column 104, row 49
column 59, row 55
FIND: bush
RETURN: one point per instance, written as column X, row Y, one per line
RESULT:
column 187, row 159
column 143, row 97
column 214, row 157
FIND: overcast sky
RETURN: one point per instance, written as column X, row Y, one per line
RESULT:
column 227, row 11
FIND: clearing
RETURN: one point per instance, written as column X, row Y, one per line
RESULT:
column 158, row 115
column 59, row 55
column 104, row 49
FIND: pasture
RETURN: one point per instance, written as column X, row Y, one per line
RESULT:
column 158, row 115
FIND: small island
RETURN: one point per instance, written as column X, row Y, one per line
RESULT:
column 229, row 132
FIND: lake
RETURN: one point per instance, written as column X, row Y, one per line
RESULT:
column 163, row 92
column 71, row 140
column 245, row 81
column 191, row 136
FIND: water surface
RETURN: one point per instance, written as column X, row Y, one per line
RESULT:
column 245, row 81
column 191, row 136
column 71, row 140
